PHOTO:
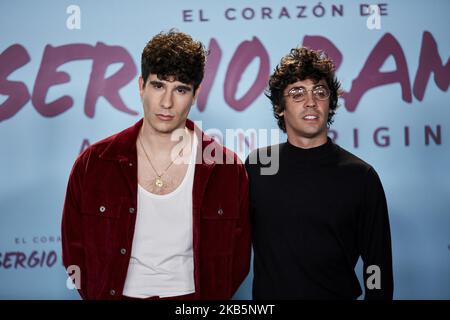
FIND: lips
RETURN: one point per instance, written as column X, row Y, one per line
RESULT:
column 310, row 117
column 165, row 117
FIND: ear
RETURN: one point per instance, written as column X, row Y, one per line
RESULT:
column 141, row 86
column 280, row 114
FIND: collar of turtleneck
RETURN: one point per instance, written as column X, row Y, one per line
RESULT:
column 323, row 153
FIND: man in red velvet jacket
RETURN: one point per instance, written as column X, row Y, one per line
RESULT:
column 159, row 210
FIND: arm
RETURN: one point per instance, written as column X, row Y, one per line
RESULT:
column 242, row 250
column 375, row 241
column 71, row 228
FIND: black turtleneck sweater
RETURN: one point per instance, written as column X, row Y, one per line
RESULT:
column 312, row 219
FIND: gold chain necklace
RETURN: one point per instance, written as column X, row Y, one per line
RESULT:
column 158, row 181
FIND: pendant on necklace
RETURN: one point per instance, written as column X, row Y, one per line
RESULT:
column 158, row 182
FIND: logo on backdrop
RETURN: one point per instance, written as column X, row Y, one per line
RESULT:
column 43, row 253
column 430, row 70
column 274, row 13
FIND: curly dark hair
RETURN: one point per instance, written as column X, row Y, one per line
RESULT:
column 174, row 54
column 301, row 64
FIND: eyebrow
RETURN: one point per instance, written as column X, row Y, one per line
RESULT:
column 181, row 86
column 303, row 87
column 184, row 87
column 154, row 82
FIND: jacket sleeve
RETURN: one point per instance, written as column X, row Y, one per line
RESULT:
column 242, row 250
column 71, row 226
column 375, row 241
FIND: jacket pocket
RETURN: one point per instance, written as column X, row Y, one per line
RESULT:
column 220, row 212
column 101, row 228
column 218, row 225
column 102, row 209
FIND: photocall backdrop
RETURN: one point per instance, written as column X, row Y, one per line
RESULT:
column 69, row 77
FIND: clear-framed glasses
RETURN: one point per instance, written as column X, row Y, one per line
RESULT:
column 298, row 94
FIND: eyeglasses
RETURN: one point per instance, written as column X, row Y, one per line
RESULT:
column 298, row 94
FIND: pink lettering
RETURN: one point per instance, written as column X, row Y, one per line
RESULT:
column 12, row 59
column 370, row 76
column 244, row 55
column 429, row 62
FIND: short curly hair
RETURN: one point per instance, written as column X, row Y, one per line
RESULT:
column 174, row 54
column 301, row 64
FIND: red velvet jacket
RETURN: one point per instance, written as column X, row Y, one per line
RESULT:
column 99, row 217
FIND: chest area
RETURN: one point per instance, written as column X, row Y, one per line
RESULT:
column 162, row 178
column 308, row 196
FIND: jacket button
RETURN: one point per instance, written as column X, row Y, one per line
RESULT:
column 220, row 212
column 123, row 251
column 131, row 210
column 112, row 292
column 130, row 164
column 102, row 209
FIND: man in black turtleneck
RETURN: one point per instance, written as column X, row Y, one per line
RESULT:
column 316, row 207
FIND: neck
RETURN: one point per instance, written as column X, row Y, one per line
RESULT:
column 307, row 143
column 159, row 142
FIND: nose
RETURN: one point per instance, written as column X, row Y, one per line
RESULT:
column 310, row 101
column 167, row 100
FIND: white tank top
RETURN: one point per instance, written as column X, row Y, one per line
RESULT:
column 161, row 262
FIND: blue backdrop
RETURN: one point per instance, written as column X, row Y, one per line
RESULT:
column 68, row 77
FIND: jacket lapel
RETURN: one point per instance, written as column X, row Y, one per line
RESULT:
column 123, row 149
